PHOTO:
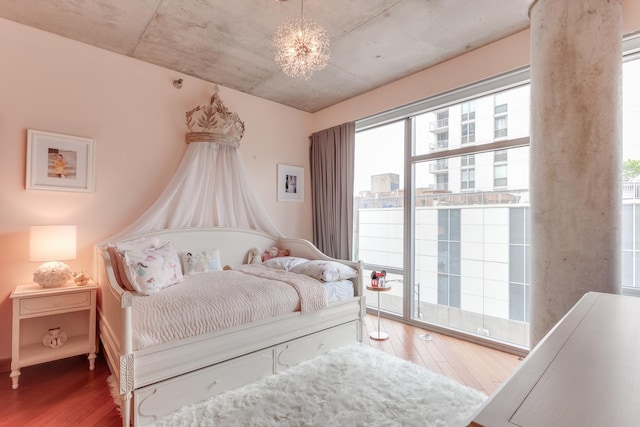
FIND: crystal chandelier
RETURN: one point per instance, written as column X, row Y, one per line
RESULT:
column 302, row 47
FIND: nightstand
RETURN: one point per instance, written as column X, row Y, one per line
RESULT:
column 36, row 310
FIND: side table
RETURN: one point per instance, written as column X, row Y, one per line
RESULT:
column 379, row 335
column 71, row 309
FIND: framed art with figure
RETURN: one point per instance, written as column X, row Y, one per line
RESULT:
column 57, row 162
column 290, row 183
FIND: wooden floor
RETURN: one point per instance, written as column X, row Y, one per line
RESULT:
column 66, row 393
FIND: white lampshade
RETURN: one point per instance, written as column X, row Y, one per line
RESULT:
column 52, row 242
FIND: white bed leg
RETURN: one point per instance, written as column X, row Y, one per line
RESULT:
column 126, row 388
column 125, row 408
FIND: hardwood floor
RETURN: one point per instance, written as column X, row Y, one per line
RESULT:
column 66, row 393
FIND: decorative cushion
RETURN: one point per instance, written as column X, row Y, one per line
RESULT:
column 201, row 261
column 254, row 256
column 151, row 270
column 284, row 263
column 116, row 251
column 328, row 271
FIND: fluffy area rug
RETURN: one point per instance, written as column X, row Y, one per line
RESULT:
column 354, row 385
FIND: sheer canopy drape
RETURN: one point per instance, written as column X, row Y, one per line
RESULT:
column 332, row 157
column 210, row 188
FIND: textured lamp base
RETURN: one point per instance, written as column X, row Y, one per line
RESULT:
column 52, row 274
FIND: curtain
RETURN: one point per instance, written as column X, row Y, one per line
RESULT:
column 331, row 165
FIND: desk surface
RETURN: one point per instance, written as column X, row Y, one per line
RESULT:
column 585, row 372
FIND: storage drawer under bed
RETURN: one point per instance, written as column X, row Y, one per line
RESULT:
column 159, row 399
column 298, row 350
column 156, row 400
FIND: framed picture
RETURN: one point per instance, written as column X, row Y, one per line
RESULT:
column 290, row 183
column 58, row 162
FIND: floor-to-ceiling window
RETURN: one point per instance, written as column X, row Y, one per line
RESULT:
column 460, row 224
column 445, row 231
column 379, row 203
column 631, row 176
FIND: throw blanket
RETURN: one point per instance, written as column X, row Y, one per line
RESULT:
column 213, row 301
column 311, row 292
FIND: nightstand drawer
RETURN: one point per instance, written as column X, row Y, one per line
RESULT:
column 55, row 302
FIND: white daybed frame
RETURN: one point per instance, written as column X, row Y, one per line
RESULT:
column 158, row 380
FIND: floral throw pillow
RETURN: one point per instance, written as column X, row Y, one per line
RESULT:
column 201, row 261
column 151, row 270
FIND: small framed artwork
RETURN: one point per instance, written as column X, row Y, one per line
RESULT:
column 58, row 162
column 290, row 183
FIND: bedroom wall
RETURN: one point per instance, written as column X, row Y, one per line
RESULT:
column 137, row 119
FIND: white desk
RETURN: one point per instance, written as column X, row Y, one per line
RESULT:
column 585, row 372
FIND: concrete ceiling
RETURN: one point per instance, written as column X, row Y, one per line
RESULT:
column 373, row 42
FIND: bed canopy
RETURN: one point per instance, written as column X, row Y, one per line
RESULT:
column 211, row 186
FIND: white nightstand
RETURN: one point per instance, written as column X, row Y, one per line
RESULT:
column 72, row 308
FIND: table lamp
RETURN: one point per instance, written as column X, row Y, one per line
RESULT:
column 52, row 243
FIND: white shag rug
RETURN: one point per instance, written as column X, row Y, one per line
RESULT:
column 354, row 385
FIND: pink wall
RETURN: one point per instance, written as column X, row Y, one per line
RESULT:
column 136, row 117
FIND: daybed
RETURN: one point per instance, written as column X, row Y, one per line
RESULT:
column 161, row 377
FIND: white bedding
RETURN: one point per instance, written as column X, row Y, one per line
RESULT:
column 216, row 300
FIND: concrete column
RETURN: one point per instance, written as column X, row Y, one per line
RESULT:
column 576, row 74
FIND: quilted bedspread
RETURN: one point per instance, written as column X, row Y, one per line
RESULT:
column 212, row 301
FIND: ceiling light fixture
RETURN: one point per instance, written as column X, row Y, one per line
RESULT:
column 302, row 47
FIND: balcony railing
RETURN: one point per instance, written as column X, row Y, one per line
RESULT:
column 449, row 199
column 441, row 124
column 438, row 167
column 631, row 190
column 439, row 145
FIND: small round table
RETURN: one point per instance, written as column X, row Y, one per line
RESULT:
column 379, row 335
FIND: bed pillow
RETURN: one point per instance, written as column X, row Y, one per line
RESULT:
column 284, row 263
column 116, row 251
column 151, row 270
column 328, row 271
column 201, row 261
column 115, row 260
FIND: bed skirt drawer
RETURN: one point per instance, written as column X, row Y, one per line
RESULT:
column 159, row 399
column 296, row 351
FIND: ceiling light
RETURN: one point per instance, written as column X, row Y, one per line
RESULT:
column 302, row 47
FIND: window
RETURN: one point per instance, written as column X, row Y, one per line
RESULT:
column 468, row 125
column 442, row 181
column 468, row 131
column 442, row 141
column 500, row 168
column 442, row 119
column 519, row 264
column 630, row 177
column 500, row 112
column 500, row 176
column 452, row 258
column 467, row 172
column 468, row 111
column 500, row 126
column 449, row 257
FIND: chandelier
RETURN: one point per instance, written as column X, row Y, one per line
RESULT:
column 302, row 47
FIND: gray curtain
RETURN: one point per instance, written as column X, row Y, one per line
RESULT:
column 332, row 157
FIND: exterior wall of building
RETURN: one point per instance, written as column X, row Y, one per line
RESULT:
column 483, row 258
